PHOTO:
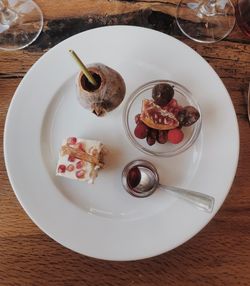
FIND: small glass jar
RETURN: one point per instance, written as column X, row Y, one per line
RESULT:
column 131, row 175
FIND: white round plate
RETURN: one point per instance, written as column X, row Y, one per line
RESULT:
column 102, row 220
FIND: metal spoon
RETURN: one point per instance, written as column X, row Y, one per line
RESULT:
column 140, row 179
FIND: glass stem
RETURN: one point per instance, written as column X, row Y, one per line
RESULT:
column 7, row 15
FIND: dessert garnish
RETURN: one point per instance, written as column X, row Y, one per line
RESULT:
column 156, row 117
column 101, row 89
column 162, row 118
column 162, row 94
column 82, row 66
column 80, row 159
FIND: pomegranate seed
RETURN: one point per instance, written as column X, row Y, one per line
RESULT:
column 80, row 174
column 61, row 168
column 79, row 165
column 70, row 167
column 72, row 140
column 71, row 158
column 80, row 146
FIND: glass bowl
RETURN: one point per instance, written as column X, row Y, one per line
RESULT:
column 133, row 107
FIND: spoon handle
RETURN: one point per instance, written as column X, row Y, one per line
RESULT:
column 201, row 201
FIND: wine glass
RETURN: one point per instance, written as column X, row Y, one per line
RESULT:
column 21, row 22
column 206, row 21
column 243, row 16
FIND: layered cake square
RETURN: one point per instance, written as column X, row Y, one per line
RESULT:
column 80, row 159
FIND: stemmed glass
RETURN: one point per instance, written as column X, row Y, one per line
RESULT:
column 206, row 21
column 243, row 16
column 21, row 22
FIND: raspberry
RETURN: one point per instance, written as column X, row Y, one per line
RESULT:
column 70, row 167
column 72, row 140
column 175, row 136
column 61, row 168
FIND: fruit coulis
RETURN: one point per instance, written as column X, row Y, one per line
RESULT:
column 87, row 85
column 133, row 177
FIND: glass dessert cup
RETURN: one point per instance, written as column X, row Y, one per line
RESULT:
column 133, row 107
column 21, row 22
column 205, row 21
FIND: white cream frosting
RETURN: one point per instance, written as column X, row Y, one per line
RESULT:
column 90, row 170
